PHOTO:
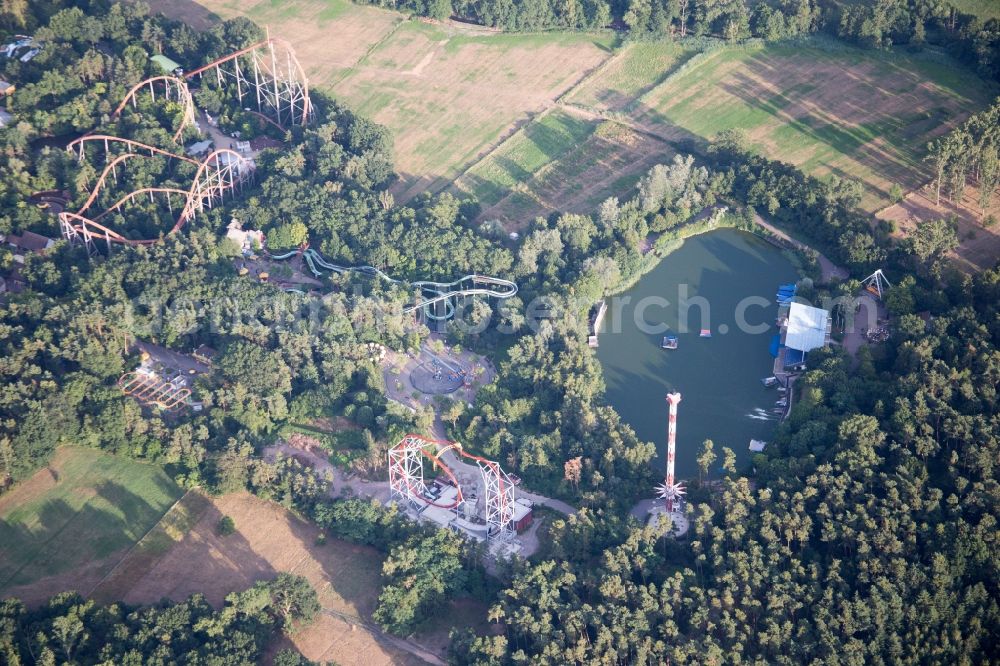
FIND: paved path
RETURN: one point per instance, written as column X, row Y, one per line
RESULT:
column 828, row 269
column 641, row 509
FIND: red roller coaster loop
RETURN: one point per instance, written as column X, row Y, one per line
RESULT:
column 173, row 88
column 221, row 172
column 406, row 480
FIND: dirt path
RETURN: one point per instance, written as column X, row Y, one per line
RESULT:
column 387, row 639
column 828, row 269
column 373, row 489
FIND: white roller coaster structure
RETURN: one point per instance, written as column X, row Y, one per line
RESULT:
column 222, row 172
column 269, row 72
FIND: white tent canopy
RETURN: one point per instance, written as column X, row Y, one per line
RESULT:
column 807, row 327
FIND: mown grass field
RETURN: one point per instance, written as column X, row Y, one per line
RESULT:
column 573, row 165
column 514, row 163
column 83, row 509
column 840, row 111
column 986, row 9
column 635, row 69
column 450, row 96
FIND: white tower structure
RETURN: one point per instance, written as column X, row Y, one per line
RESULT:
column 671, row 491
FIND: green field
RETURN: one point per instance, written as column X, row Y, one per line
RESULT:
column 484, row 108
column 520, row 157
column 635, row 69
column 86, row 506
column 448, row 96
column 578, row 171
column 987, row 9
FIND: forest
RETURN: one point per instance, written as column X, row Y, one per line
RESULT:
column 867, row 535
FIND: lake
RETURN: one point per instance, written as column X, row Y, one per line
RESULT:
column 718, row 377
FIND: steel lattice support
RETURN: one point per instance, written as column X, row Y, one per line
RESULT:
column 499, row 496
column 406, row 481
column 406, row 470
column 269, row 73
column 221, row 172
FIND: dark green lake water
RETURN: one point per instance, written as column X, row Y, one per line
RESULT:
column 718, row 377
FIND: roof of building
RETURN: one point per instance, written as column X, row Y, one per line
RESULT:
column 205, row 352
column 442, row 517
column 5, row 118
column 199, row 147
column 5, row 87
column 165, row 63
column 520, row 511
column 807, row 327
column 30, row 241
column 757, row 445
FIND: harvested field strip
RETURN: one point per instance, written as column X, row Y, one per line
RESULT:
column 450, row 96
column 520, row 157
column 86, row 506
column 836, row 111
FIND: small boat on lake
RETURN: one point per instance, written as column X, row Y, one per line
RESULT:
column 768, row 382
column 706, row 333
column 669, row 342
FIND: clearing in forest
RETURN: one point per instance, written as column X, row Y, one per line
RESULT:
column 67, row 525
column 840, row 111
column 189, row 556
column 978, row 236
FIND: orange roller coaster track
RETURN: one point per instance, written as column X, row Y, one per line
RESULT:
column 406, row 480
column 106, row 141
column 173, row 88
column 270, row 73
column 221, row 172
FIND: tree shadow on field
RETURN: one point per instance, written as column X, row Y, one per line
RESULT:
column 201, row 562
column 58, row 546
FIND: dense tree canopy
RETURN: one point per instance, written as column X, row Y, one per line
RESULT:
column 868, row 534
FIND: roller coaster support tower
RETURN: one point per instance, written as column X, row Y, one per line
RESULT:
column 270, row 73
column 406, row 480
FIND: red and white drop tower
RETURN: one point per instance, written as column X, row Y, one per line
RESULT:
column 670, row 490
